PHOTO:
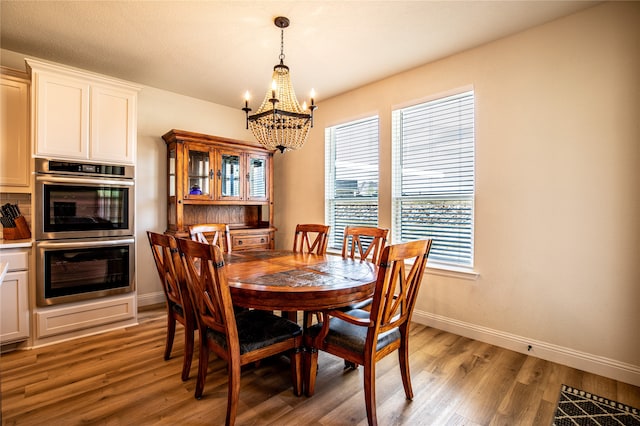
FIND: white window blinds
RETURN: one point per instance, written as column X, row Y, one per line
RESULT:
column 433, row 177
column 351, row 173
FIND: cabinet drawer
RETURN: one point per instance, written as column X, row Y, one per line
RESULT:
column 72, row 318
column 249, row 242
column 17, row 260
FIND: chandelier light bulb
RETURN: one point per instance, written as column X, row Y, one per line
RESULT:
column 247, row 96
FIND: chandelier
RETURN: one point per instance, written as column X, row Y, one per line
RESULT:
column 280, row 123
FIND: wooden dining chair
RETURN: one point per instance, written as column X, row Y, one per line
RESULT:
column 212, row 233
column 240, row 338
column 364, row 242
column 365, row 337
column 311, row 238
column 179, row 306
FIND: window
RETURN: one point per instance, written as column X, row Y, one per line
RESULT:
column 351, row 173
column 433, row 176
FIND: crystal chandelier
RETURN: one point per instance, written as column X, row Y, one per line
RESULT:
column 280, row 123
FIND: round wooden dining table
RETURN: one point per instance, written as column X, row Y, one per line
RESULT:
column 288, row 281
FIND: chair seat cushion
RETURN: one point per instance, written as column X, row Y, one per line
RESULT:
column 258, row 329
column 353, row 337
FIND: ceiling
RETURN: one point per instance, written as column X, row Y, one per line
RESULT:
column 216, row 50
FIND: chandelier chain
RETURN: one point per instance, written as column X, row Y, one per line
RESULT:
column 282, row 45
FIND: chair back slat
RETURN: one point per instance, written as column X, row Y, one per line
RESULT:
column 365, row 243
column 397, row 284
column 311, row 238
column 167, row 259
column 212, row 233
column 207, row 282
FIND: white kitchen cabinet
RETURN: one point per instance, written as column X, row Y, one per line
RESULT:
column 81, row 115
column 61, row 115
column 113, row 124
column 15, row 147
column 14, row 297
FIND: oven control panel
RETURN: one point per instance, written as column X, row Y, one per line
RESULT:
column 83, row 169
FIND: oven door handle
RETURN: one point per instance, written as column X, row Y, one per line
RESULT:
column 83, row 181
column 83, row 244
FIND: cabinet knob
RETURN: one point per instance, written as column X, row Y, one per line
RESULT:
column 211, row 174
column 262, row 240
column 240, row 242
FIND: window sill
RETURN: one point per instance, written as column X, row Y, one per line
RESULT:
column 444, row 270
column 451, row 271
column 434, row 268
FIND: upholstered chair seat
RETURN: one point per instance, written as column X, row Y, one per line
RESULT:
column 256, row 330
column 353, row 337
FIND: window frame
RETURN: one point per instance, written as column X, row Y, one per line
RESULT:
column 435, row 265
column 336, row 232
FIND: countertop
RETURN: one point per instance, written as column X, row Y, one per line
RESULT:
column 7, row 244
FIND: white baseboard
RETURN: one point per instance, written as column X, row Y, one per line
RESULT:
column 607, row 367
column 151, row 298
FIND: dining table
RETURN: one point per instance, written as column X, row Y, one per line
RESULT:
column 291, row 281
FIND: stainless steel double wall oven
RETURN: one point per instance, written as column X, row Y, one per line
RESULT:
column 84, row 229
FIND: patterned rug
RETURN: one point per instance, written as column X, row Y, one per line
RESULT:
column 577, row 407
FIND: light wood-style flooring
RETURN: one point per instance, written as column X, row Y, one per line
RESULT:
column 120, row 378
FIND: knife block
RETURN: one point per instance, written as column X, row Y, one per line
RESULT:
column 20, row 232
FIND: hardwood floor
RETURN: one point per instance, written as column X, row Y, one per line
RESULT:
column 120, row 378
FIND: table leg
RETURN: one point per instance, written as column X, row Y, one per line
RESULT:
column 290, row 315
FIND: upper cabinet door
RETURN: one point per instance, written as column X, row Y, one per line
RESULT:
column 61, row 116
column 81, row 115
column 15, row 146
column 113, row 124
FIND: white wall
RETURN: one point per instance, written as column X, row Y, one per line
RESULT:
column 557, row 218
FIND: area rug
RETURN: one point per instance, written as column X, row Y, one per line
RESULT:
column 577, row 407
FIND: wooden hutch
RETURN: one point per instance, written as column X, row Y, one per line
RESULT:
column 218, row 180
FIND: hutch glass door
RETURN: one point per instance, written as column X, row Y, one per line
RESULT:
column 230, row 176
column 199, row 177
column 172, row 172
column 257, row 176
